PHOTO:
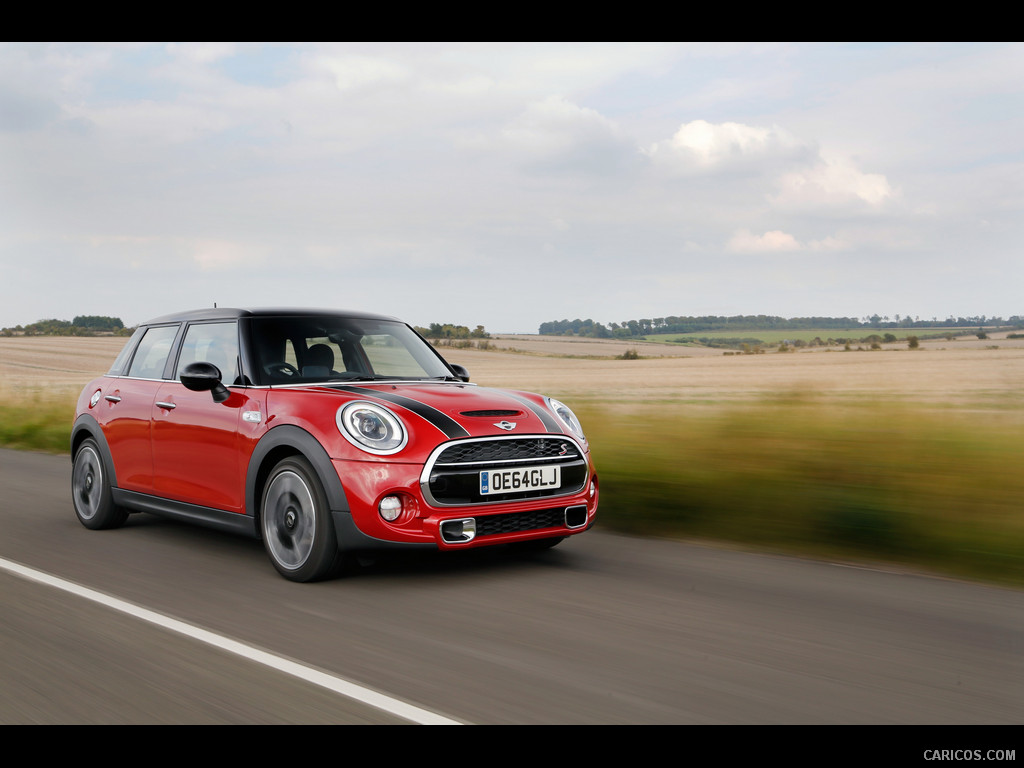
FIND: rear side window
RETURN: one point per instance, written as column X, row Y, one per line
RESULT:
column 126, row 351
column 151, row 355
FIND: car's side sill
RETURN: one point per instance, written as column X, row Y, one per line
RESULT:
column 190, row 513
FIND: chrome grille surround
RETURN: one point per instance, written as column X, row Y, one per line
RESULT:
column 452, row 470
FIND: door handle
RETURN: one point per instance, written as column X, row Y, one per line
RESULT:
column 168, row 406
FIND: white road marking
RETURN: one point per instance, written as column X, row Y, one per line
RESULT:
column 301, row 671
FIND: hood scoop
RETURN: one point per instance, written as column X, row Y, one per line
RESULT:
column 493, row 413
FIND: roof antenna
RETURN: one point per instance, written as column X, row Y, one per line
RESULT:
column 215, row 305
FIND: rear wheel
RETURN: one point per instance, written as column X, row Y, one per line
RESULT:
column 90, row 490
column 295, row 522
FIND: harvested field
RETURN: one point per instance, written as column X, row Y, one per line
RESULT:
column 559, row 346
column 55, row 365
column 961, row 375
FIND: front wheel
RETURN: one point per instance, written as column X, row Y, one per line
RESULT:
column 295, row 522
column 90, row 490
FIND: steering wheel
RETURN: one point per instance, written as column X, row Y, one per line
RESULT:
column 282, row 369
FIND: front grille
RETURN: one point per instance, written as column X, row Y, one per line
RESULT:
column 452, row 474
column 511, row 451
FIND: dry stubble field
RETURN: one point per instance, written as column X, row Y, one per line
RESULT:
column 963, row 375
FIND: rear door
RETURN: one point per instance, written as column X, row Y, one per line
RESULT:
column 126, row 415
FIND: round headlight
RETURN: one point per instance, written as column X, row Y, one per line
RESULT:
column 371, row 427
column 566, row 416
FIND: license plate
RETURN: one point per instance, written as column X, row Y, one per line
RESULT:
column 520, row 480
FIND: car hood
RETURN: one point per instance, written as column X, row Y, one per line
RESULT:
column 462, row 410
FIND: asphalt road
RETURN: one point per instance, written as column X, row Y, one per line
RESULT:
column 605, row 629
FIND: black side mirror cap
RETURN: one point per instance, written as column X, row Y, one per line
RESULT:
column 461, row 372
column 205, row 377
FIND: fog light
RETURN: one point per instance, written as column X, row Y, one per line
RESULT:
column 593, row 488
column 390, row 508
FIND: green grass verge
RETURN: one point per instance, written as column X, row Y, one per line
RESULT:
column 876, row 482
column 860, row 482
column 42, row 424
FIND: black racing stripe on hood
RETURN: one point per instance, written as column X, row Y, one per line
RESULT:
column 550, row 423
column 445, row 423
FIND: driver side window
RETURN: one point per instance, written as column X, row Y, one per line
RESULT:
column 215, row 343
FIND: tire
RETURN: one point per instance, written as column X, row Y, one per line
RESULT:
column 90, row 490
column 295, row 523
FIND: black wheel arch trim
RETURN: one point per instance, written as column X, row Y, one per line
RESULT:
column 351, row 539
column 87, row 426
column 297, row 440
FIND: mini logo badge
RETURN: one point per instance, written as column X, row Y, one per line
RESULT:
column 506, row 425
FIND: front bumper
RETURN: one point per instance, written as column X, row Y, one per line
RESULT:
column 455, row 526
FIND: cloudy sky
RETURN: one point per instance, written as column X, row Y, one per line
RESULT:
column 507, row 185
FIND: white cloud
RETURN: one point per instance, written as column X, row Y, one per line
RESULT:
column 777, row 241
column 202, row 53
column 555, row 134
column 352, row 72
column 700, row 144
column 806, row 177
column 555, row 124
column 773, row 241
column 833, row 180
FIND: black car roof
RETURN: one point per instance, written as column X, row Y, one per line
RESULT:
column 229, row 313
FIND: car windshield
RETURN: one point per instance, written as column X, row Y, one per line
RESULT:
column 301, row 350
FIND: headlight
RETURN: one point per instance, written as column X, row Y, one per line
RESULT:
column 371, row 427
column 566, row 416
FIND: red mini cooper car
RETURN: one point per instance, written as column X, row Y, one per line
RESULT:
column 323, row 433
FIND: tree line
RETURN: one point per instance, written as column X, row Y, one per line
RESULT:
column 81, row 325
column 448, row 331
column 689, row 324
column 92, row 325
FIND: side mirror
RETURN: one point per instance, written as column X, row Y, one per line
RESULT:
column 461, row 372
column 205, row 377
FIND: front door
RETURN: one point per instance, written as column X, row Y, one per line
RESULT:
column 197, row 456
